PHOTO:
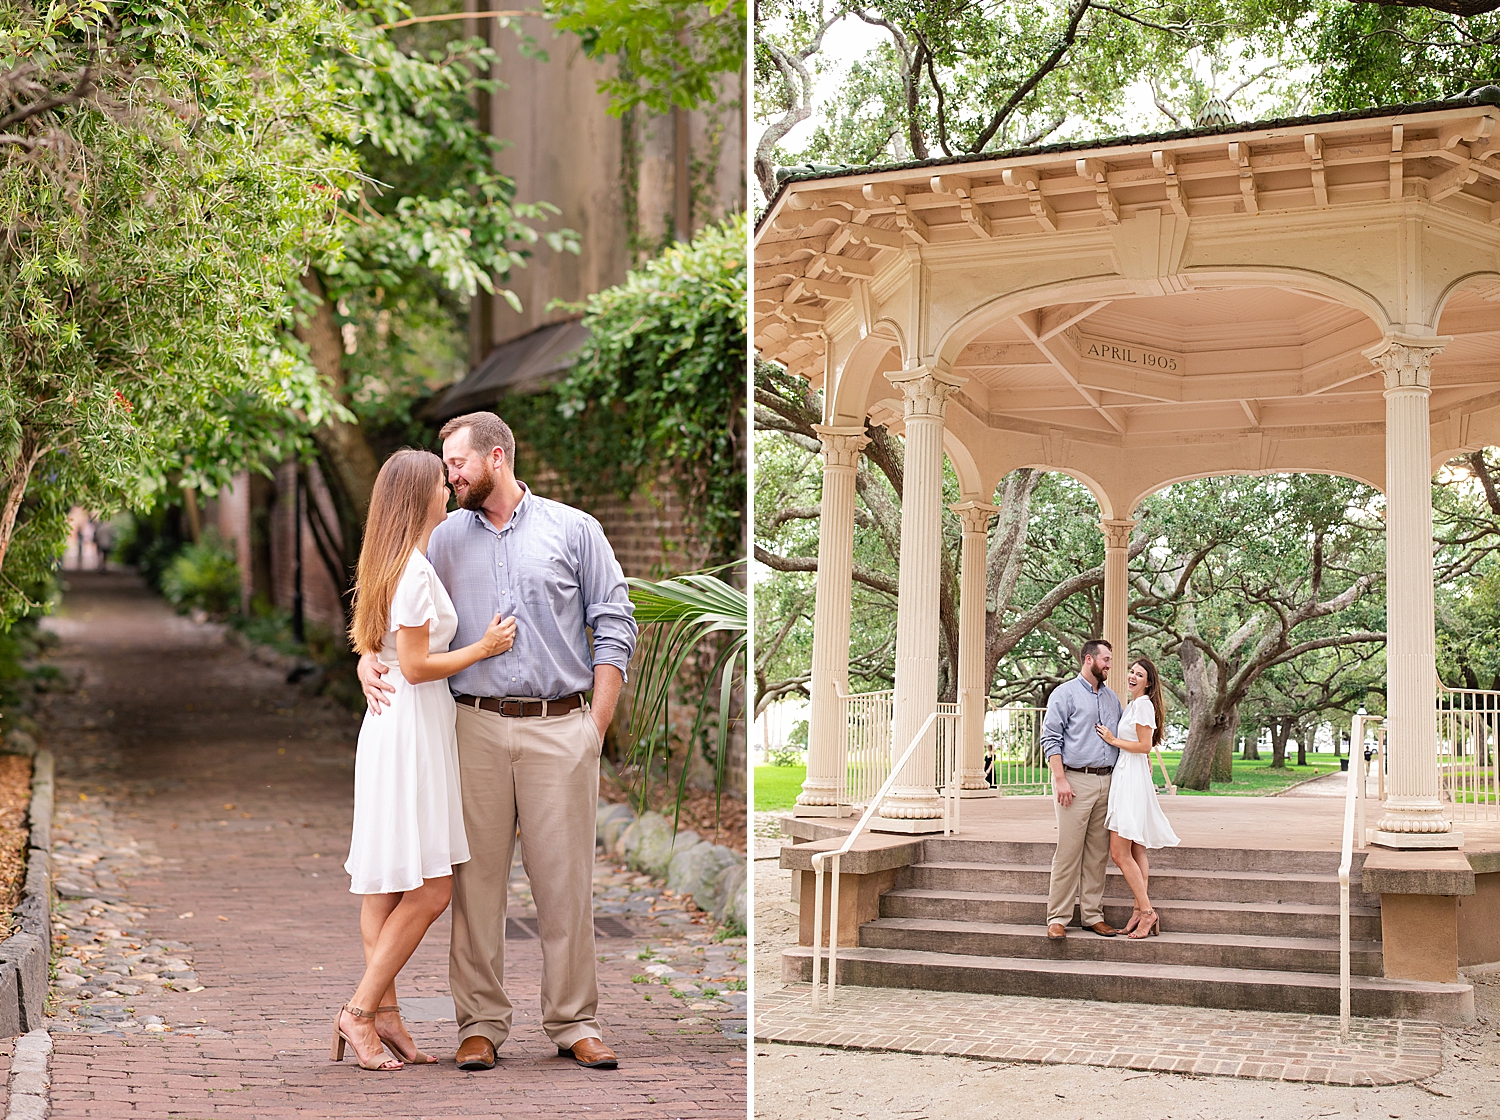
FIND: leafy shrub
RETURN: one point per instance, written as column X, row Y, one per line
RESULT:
column 203, row 575
column 789, row 755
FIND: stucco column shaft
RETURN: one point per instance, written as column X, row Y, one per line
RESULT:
column 973, row 689
column 1413, row 814
column 830, row 655
column 1117, row 601
column 914, row 796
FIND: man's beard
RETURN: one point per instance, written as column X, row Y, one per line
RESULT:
column 476, row 493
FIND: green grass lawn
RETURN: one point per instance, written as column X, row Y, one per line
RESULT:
column 776, row 787
column 1254, row 779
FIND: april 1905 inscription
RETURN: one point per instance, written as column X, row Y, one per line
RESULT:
column 1126, row 353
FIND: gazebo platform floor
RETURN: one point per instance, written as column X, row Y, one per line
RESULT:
column 1249, row 904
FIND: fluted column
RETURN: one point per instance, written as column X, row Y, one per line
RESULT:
column 913, row 801
column 820, row 794
column 973, row 689
column 1413, row 816
column 1117, row 601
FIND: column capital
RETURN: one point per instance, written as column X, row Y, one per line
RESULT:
column 974, row 515
column 926, row 388
column 1406, row 360
column 841, row 444
column 1117, row 532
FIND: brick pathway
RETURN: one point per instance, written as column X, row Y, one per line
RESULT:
column 217, row 801
column 1191, row 1040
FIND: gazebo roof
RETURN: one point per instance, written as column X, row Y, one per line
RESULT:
column 1144, row 309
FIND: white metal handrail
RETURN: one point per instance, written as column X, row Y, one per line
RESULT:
column 819, row 859
column 1346, row 860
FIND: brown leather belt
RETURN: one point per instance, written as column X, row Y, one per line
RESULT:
column 1089, row 769
column 523, row 707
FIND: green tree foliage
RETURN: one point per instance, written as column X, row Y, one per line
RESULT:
column 670, row 53
column 1371, row 54
column 659, row 389
column 428, row 225
column 161, row 186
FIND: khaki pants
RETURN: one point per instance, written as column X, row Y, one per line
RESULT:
column 540, row 773
column 1082, row 854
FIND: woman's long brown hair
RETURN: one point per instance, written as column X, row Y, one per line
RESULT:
column 398, row 514
column 1158, row 702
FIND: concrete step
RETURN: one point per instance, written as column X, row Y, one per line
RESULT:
column 1210, row 950
column 1166, row 882
column 1270, row 861
column 1237, row 989
column 1268, row 919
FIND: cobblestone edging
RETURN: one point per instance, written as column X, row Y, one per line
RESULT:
column 713, row 876
column 25, row 956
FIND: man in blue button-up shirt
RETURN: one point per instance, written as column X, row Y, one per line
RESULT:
column 1082, row 764
column 525, row 765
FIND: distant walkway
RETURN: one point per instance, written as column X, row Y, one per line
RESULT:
column 204, row 808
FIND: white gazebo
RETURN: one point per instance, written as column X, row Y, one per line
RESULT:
column 1319, row 294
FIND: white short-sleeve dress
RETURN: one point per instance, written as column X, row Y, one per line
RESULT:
column 408, row 813
column 1133, row 809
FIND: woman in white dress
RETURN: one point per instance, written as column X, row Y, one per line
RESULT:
column 408, row 817
column 1134, row 818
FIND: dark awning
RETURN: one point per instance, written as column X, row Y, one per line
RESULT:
column 525, row 364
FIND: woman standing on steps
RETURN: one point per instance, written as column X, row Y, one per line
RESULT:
column 408, row 816
column 1134, row 818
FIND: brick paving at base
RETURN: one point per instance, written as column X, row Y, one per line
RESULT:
column 237, row 791
column 1200, row 1041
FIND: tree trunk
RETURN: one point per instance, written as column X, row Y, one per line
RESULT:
column 1281, row 728
column 1302, row 737
column 347, row 461
column 1225, row 724
column 1251, row 753
column 17, row 476
column 1197, row 767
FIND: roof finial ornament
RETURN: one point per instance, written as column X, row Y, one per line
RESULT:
column 1214, row 114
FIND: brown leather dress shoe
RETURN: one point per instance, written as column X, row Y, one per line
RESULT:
column 1056, row 932
column 590, row 1052
column 1104, row 929
column 475, row 1052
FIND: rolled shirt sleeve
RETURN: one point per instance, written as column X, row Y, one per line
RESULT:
column 608, row 611
column 1059, row 707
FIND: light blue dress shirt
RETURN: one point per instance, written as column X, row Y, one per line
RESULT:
column 1068, row 729
column 551, row 568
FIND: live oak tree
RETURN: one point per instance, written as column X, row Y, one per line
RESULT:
column 1240, row 579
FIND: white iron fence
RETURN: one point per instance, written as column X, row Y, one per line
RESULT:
column 1468, row 733
column 1013, row 743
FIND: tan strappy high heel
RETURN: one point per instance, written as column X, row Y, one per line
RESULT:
column 1150, row 924
column 336, row 1050
column 416, row 1057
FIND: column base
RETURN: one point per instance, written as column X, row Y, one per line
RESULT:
column 910, row 826
column 1416, row 841
column 822, row 810
column 985, row 792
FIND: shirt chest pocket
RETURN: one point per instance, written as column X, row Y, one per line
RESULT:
column 547, row 581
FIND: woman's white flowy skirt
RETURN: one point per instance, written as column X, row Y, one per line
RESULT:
column 408, row 810
column 1134, row 811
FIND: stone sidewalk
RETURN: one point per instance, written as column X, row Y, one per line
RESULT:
column 206, row 933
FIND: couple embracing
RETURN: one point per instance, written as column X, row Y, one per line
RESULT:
column 475, row 662
column 1099, row 755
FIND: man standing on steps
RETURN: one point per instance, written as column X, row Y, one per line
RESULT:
column 1081, row 764
column 528, row 739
